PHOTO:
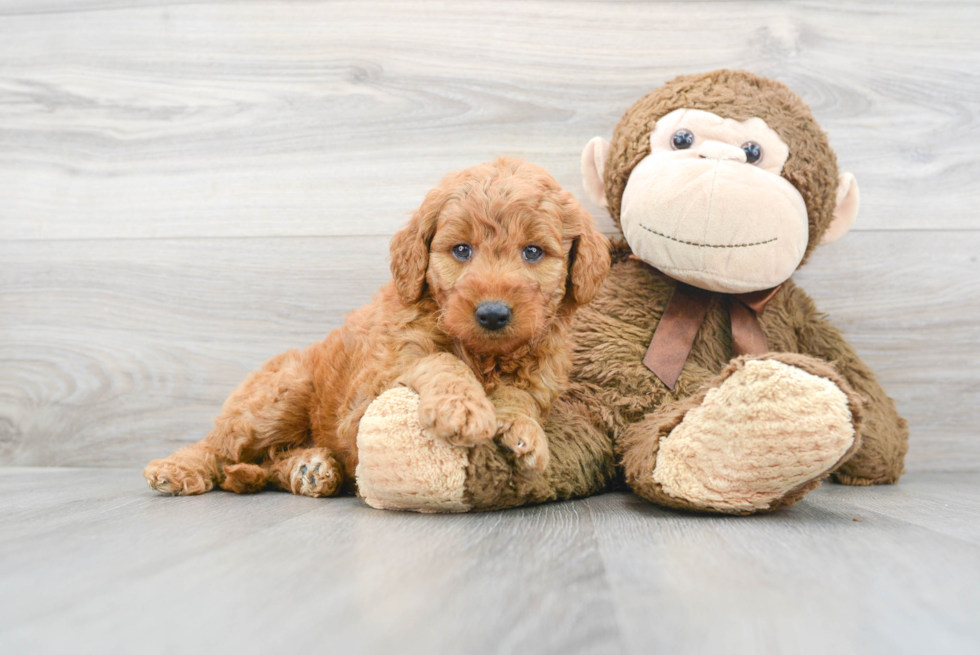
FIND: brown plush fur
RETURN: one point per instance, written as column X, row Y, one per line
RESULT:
column 612, row 394
column 614, row 397
column 582, row 463
column 294, row 422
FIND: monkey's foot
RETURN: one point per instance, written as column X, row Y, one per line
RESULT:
column 764, row 436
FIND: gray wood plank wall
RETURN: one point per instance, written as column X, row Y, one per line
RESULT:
column 188, row 188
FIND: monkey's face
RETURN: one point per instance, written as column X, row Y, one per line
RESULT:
column 708, row 206
column 731, row 196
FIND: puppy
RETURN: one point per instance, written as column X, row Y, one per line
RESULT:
column 486, row 277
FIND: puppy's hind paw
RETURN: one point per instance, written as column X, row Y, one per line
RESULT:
column 316, row 476
column 527, row 439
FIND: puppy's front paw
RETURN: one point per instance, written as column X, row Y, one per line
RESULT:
column 462, row 419
column 525, row 437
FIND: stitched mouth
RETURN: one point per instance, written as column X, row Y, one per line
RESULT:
column 708, row 245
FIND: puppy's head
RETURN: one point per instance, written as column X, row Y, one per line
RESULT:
column 502, row 249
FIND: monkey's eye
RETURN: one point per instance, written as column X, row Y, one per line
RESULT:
column 753, row 152
column 462, row 252
column 533, row 254
column 682, row 140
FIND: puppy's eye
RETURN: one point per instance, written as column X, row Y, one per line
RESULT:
column 753, row 152
column 533, row 254
column 462, row 252
column 682, row 140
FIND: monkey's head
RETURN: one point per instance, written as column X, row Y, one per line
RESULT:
column 723, row 181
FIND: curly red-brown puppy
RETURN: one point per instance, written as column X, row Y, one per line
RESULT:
column 486, row 277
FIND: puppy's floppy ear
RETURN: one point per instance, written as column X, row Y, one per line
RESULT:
column 410, row 247
column 588, row 260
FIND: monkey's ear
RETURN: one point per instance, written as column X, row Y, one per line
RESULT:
column 593, row 166
column 848, row 200
column 410, row 248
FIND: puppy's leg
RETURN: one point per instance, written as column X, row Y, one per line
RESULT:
column 519, row 426
column 270, row 408
column 245, row 478
column 313, row 472
column 452, row 403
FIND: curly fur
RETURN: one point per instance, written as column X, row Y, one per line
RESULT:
column 294, row 422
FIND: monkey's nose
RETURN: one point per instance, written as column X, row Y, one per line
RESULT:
column 722, row 151
column 493, row 315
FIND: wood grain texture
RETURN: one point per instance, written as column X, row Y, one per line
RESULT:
column 219, row 119
column 88, row 565
column 187, row 188
column 843, row 571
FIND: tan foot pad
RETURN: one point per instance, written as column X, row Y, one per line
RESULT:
column 766, row 430
column 401, row 468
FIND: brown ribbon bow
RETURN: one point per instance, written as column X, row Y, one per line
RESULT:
column 674, row 336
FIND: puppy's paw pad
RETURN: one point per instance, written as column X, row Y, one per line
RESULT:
column 316, row 477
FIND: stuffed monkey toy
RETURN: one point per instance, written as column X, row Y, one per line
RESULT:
column 703, row 376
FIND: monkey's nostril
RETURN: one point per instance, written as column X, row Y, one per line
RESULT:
column 493, row 315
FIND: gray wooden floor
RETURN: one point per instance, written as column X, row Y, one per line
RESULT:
column 90, row 564
column 187, row 188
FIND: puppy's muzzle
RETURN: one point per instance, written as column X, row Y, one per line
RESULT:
column 493, row 315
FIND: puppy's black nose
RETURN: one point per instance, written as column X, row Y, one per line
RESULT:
column 493, row 315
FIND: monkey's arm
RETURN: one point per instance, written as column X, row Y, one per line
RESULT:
column 884, row 434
